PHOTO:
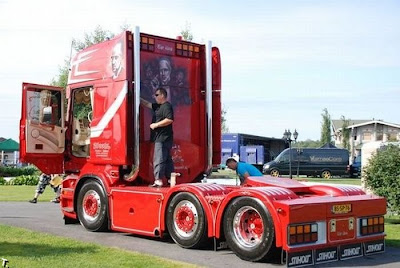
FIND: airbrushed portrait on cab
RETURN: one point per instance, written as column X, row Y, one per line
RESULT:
column 164, row 72
column 172, row 74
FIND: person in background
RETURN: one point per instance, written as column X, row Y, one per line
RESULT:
column 163, row 136
column 45, row 180
column 244, row 170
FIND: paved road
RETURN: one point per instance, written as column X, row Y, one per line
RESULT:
column 47, row 217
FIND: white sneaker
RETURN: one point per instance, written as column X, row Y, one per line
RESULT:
column 157, row 183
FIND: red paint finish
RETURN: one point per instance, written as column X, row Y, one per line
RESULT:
column 90, row 205
column 106, row 71
column 341, row 229
column 251, row 224
column 216, row 105
column 185, row 219
column 182, row 79
column 136, row 209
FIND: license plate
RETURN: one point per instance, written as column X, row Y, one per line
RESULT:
column 341, row 209
column 341, row 229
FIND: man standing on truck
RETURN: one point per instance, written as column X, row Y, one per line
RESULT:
column 162, row 134
column 244, row 170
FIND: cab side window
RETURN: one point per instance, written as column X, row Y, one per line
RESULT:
column 44, row 107
column 82, row 116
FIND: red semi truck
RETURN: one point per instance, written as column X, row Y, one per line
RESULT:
column 97, row 133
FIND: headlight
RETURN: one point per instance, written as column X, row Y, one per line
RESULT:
column 266, row 166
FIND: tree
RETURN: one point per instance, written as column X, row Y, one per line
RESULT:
column 224, row 126
column 382, row 175
column 187, row 32
column 125, row 27
column 325, row 127
column 308, row 144
column 61, row 79
column 345, row 132
column 98, row 35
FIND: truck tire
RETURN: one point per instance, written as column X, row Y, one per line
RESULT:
column 326, row 174
column 249, row 229
column 274, row 173
column 186, row 221
column 92, row 207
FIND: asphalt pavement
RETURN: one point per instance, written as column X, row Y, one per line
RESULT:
column 47, row 218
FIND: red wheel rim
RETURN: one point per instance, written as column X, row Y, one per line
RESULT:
column 248, row 227
column 186, row 219
column 91, row 205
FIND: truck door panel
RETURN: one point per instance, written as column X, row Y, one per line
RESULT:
column 42, row 132
column 44, row 139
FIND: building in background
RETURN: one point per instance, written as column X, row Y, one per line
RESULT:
column 365, row 131
column 9, row 152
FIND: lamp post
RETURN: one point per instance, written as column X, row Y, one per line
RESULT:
column 288, row 136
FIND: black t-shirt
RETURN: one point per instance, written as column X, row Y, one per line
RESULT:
column 162, row 111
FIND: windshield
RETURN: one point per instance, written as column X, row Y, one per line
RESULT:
column 282, row 156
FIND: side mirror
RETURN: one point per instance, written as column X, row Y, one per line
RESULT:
column 47, row 115
column 47, row 110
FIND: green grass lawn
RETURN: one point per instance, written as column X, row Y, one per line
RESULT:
column 24, row 248
column 24, row 193
column 349, row 181
column 392, row 229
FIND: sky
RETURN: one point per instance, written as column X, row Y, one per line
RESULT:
column 283, row 62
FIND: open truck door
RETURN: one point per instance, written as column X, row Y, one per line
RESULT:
column 42, row 131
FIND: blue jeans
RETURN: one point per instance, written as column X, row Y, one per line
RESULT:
column 162, row 161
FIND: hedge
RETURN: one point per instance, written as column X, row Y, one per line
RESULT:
column 15, row 171
column 382, row 175
column 24, row 180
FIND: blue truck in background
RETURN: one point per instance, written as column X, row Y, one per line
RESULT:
column 255, row 150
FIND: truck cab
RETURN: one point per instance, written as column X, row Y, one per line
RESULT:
column 103, row 124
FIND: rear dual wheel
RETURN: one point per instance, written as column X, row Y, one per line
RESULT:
column 186, row 221
column 249, row 229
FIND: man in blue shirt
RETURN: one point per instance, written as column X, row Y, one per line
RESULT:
column 244, row 170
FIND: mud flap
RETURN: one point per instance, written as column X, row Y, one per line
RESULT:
column 299, row 259
column 219, row 244
column 331, row 254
